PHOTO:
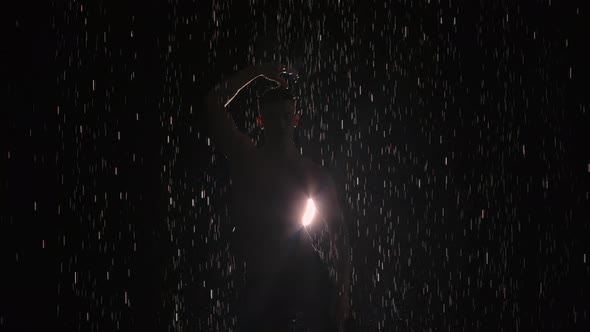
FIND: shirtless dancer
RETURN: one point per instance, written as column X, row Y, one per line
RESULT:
column 288, row 287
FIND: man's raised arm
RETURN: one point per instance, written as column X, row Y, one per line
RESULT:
column 222, row 127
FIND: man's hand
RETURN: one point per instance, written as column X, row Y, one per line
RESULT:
column 274, row 72
column 340, row 310
column 343, row 311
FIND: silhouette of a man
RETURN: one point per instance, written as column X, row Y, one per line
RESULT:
column 286, row 281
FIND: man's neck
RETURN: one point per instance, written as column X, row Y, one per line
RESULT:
column 282, row 149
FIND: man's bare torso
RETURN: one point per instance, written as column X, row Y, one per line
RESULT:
column 269, row 199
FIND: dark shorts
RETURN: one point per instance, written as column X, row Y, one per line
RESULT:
column 298, row 298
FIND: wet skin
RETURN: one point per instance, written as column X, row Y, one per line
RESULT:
column 270, row 189
column 283, row 271
column 269, row 198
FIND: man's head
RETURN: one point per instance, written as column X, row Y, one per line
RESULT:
column 277, row 111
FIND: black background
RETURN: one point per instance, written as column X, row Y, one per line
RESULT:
column 456, row 133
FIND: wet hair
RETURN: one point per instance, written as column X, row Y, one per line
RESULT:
column 275, row 94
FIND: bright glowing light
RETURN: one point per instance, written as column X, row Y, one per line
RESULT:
column 309, row 212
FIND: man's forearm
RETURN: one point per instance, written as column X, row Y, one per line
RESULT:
column 226, row 90
column 344, row 261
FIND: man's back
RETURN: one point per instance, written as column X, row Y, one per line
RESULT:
column 271, row 188
column 269, row 197
column 284, row 274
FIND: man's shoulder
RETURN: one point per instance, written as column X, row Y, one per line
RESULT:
column 313, row 167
